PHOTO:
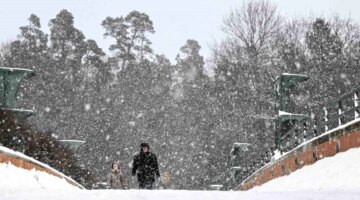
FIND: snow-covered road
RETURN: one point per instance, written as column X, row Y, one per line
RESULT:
column 172, row 195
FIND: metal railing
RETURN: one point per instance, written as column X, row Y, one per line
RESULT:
column 238, row 175
column 342, row 110
column 334, row 114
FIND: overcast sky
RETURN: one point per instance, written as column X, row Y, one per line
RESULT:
column 175, row 21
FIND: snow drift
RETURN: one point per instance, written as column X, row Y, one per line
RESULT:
column 331, row 178
column 338, row 173
column 14, row 178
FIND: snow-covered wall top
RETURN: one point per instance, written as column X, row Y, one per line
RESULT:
column 15, row 69
column 15, row 179
column 46, row 168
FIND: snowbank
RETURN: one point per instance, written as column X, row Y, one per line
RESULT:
column 14, row 179
column 32, row 160
column 332, row 178
column 338, row 173
column 174, row 195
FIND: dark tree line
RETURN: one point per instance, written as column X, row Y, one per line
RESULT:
column 115, row 102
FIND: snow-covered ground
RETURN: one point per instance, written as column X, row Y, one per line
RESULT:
column 338, row 173
column 9, row 169
column 14, row 179
column 173, row 195
column 331, row 178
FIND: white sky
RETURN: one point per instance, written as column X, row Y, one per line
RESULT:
column 175, row 21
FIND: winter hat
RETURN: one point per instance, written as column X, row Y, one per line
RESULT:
column 142, row 145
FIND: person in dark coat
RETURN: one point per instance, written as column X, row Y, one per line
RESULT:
column 145, row 166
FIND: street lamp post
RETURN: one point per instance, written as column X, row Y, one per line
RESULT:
column 285, row 120
column 10, row 79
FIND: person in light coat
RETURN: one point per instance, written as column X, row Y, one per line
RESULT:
column 116, row 179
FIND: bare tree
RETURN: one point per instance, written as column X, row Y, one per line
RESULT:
column 347, row 30
column 4, row 50
column 291, row 47
column 253, row 25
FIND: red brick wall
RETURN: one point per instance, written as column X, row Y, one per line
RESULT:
column 283, row 167
column 306, row 157
column 290, row 165
column 354, row 140
column 266, row 175
column 258, row 180
column 344, row 143
column 277, row 170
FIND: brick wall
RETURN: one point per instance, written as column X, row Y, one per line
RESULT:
column 326, row 146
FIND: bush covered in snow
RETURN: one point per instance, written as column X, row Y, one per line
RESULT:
column 43, row 147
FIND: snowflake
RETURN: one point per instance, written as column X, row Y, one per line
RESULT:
column 87, row 107
column 47, row 109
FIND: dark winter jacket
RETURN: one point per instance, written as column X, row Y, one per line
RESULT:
column 116, row 180
column 146, row 167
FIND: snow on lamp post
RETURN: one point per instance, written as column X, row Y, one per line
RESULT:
column 285, row 120
column 72, row 144
column 216, row 187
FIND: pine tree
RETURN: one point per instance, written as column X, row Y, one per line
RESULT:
column 323, row 44
column 67, row 42
column 130, row 33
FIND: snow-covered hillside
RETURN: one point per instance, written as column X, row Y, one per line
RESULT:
column 338, row 173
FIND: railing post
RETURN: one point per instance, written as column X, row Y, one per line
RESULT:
column 305, row 131
column 315, row 131
column 356, row 104
column 297, row 137
column 339, row 112
column 326, row 119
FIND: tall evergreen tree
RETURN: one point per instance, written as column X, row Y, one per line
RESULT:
column 324, row 62
column 67, row 42
column 130, row 33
